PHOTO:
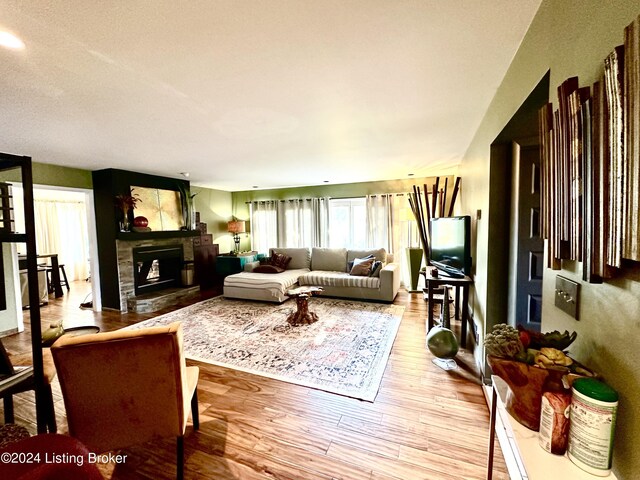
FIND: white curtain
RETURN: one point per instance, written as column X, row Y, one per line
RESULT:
column 390, row 224
column 264, row 225
column 320, row 219
column 303, row 222
column 61, row 227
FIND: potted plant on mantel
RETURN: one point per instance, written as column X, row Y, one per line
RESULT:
column 126, row 202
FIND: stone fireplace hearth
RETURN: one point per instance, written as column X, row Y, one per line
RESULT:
column 149, row 272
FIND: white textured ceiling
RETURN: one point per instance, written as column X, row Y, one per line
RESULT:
column 255, row 92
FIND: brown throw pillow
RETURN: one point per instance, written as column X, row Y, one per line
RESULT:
column 362, row 269
column 268, row 269
column 280, row 260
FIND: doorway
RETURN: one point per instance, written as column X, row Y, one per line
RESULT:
column 518, row 137
column 65, row 225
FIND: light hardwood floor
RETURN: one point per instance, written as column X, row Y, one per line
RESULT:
column 426, row 423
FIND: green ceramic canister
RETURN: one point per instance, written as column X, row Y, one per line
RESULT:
column 594, row 406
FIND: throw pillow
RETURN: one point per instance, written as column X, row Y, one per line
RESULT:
column 362, row 269
column 375, row 269
column 280, row 260
column 357, row 261
column 268, row 269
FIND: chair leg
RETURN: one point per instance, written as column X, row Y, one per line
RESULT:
column 8, row 409
column 195, row 414
column 180, row 459
column 51, row 411
column 64, row 275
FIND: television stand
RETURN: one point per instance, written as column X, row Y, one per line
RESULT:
column 434, row 282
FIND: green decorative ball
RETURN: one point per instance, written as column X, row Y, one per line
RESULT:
column 442, row 343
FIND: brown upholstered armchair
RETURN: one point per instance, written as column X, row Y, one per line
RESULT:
column 127, row 387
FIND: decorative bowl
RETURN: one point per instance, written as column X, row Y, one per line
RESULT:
column 526, row 384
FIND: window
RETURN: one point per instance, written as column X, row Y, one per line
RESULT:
column 348, row 223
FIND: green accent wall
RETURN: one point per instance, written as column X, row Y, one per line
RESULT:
column 55, row 175
column 568, row 38
column 215, row 207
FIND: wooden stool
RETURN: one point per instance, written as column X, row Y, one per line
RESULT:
column 63, row 280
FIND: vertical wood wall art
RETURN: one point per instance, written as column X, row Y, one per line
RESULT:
column 613, row 78
column 567, row 176
column 550, row 223
column 597, row 185
column 590, row 156
column 631, row 118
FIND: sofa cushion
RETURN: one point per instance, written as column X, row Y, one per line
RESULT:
column 380, row 254
column 329, row 259
column 322, row 278
column 358, row 260
column 300, row 257
column 362, row 267
column 260, row 285
column 268, row 269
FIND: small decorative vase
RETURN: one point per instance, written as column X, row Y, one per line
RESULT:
column 126, row 225
column 192, row 216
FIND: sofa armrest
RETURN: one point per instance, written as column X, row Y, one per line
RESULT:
column 249, row 266
column 390, row 281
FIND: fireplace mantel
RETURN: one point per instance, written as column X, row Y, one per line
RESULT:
column 132, row 236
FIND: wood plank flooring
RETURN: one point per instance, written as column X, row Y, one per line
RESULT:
column 426, row 423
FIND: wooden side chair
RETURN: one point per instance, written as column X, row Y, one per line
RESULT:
column 127, row 387
column 16, row 376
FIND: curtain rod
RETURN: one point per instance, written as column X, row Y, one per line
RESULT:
column 330, row 198
column 285, row 200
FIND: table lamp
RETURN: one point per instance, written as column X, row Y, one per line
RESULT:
column 236, row 227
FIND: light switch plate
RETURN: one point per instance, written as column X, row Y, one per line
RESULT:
column 567, row 296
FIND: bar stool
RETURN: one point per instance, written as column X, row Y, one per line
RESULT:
column 63, row 279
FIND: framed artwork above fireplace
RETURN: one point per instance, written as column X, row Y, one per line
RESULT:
column 162, row 208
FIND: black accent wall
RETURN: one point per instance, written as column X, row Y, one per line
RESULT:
column 106, row 185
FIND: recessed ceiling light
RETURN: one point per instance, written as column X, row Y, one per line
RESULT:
column 411, row 174
column 326, row 181
column 255, row 186
column 9, row 40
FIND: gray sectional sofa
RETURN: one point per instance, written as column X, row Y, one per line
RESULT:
column 323, row 267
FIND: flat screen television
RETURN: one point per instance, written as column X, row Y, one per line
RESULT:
column 450, row 246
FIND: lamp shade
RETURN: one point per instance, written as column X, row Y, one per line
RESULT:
column 235, row 226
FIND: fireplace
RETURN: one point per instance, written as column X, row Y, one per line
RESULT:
column 156, row 267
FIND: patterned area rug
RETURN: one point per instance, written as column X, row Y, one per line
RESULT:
column 344, row 352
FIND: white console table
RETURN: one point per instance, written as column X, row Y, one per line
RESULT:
column 525, row 459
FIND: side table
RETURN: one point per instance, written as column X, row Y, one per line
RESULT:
column 464, row 283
